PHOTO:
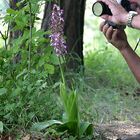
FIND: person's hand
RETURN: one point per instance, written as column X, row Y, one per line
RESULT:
column 119, row 13
column 116, row 37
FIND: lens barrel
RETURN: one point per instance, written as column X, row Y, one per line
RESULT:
column 99, row 8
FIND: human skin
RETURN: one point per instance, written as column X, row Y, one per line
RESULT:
column 120, row 15
column 118, row 39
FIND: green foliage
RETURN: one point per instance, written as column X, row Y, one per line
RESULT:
column 71, row 122
column 71, row 116
column 107, row 67
column 26, row 93
column 70, row 102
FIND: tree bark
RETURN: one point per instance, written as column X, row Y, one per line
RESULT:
column 74, row 26
column 46, row 16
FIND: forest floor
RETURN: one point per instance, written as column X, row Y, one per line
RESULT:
column 119, row 130
column 112, row 131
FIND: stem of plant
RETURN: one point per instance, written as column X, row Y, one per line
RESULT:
column 4, row 37
column 62, row 74
column 30, row 43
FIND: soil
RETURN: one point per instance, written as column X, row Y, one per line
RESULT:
column 119, row 130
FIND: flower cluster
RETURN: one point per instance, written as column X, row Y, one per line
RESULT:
column 57, row 31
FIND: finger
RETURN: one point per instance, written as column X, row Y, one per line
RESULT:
column 101, row 26
column 105, row 28
column 109, row 33
column 115, row 34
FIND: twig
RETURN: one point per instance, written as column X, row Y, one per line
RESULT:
column 137, row 44
column 30, row 43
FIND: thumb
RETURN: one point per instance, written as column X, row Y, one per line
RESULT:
column 106, row 17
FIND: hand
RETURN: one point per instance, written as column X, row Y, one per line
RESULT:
column 119, row 13
column 116, row 37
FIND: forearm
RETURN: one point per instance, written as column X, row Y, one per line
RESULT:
column 135, row 21
column 133, row 61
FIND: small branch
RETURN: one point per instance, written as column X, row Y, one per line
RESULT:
column 4, row 37
column 137, row 44
column 30, row 43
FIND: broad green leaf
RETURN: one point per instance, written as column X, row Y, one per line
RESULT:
column 1, row 126
column 43, row 125
column 71, row 127
column 85, row 128
column 3, row 91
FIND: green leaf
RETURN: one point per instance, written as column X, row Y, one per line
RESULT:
column 71, row 127
column 43, row 125
column 85, row 128
column 72, row 107
column 21, row 74
column 49, row 68
column 54, row 59
column 1, row 126
column 3, row 91
column 11, row 11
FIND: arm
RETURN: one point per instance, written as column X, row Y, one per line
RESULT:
column 133, row 61
column 119, row 40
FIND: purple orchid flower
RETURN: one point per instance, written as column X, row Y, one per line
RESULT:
column 57, row 31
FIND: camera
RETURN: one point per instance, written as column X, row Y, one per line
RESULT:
column 99, row 8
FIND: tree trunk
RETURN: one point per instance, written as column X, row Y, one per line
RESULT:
column 46, row 16
column 74, row 24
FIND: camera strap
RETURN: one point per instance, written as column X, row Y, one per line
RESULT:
column 137, row 44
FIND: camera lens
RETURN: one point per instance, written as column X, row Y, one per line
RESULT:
column 99, row 8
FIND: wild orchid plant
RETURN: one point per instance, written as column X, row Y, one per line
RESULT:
column 71, row 117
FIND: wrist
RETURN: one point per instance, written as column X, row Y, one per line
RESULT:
column 130, row 17
column 125, row 47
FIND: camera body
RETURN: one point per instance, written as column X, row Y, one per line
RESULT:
column 99, row 8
